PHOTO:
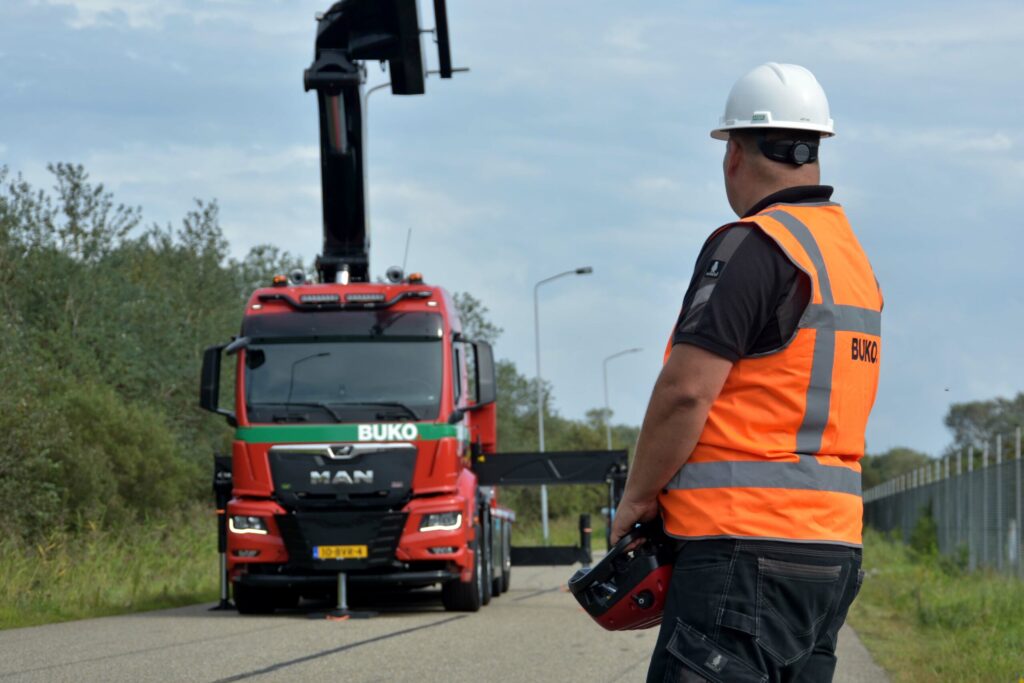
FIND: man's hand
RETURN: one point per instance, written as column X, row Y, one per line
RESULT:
column 629, row 513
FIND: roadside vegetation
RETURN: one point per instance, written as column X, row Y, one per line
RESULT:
column 924, row 618
column 105, row 458
column 96, row 571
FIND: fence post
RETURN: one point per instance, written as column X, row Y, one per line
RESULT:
column 972, row 542
column 1020, row 522
column 984, row 504
column 997, row 474
column 959, row 497
column 948, row 496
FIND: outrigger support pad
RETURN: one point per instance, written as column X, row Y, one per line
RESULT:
column 342, row 611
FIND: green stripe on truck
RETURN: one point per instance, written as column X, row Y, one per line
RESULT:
column 403, row 431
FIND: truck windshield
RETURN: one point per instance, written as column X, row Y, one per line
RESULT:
column 353, row 366
column 341, row 381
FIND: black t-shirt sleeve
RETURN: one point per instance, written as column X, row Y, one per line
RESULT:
column 745, row 296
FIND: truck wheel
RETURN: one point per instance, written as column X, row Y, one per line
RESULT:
column 458, row 596
column 249, row 600
column 286, row 599
column 498, row 561
column 506, row 557
column 488, row 561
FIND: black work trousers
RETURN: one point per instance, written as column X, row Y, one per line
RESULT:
column 755, row 611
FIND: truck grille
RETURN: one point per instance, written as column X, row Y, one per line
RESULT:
column 378, row 530
column 347, row 476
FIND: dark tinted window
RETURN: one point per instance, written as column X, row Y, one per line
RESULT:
column 358, row 380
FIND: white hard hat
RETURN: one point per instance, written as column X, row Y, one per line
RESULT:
column 776, row 96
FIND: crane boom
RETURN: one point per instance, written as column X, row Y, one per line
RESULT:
column 350, row 33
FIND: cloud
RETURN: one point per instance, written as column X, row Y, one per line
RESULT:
column 149, row 15
column 947, row 140
column 136, row 14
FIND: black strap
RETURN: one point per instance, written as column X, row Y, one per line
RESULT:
column 796, row 152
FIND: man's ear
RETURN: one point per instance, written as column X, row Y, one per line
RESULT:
column 733, row 157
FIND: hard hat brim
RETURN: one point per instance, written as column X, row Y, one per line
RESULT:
column 722, row 132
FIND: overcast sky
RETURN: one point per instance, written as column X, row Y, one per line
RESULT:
column 579, row 138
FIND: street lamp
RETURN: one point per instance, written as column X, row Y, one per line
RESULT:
column 585, row 270
column 607, row 408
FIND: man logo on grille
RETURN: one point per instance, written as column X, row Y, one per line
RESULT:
column 325, row 477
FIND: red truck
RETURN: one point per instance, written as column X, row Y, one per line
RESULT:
column 358, row 406
column 358, row 409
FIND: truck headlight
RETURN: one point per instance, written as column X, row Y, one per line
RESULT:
column 242, row 524
column 441, row 521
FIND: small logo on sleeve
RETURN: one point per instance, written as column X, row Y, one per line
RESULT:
column 715, row 269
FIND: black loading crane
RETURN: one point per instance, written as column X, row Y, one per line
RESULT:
column 349, row 34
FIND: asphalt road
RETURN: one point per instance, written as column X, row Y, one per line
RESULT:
column 535, row 632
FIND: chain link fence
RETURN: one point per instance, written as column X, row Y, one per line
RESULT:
column 975, row 498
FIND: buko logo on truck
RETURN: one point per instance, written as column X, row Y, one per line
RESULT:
column 388, row 432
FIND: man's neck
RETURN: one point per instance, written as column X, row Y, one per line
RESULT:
column 791, row 195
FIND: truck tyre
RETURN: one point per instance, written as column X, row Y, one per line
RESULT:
column 488, row 560
column 286, row 599
column 498, row 561
column 458, row 596
column 506, row 557
column 249, row 600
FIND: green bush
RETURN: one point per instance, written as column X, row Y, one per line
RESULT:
column 924, row 537
column 121, row 462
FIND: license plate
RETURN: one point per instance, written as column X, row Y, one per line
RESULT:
column 340, row 552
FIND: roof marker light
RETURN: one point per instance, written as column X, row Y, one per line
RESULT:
column 319, row 298
column 279, row 281
column 364, row 297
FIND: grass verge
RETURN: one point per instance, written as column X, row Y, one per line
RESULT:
column 153, row 565
column 924, row 619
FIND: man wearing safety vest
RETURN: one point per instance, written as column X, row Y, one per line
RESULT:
column 751, row 444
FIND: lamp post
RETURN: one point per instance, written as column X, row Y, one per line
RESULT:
column 607, row 408
column 585, row 270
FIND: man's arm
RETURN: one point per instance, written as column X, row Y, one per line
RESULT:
column 687, row 386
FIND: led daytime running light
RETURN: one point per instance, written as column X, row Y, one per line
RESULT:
column 242, row 524
column 441, row 521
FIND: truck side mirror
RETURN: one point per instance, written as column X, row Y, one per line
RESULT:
column 209, row 384
column 486, row 382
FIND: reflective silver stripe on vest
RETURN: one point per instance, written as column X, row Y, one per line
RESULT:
column 843, row 318
column 819, row 390
column 807, row 474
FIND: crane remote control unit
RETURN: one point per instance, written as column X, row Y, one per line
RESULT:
column 365, row 423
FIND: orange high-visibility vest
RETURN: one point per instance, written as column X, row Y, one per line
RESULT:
column 778, row 456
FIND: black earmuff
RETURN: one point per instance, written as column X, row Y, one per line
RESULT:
column 796, row 152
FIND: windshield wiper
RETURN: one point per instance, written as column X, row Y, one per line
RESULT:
column 307, row 404
column 406, row 410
